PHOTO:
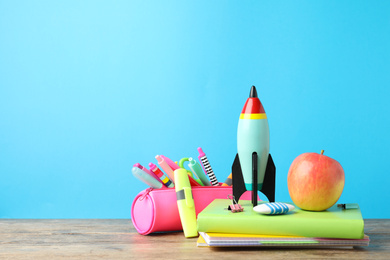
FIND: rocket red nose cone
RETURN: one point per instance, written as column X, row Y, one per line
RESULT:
column 253, row 106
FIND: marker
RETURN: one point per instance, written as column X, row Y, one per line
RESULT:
column 174, row 167
column 190, row 173
column 167, row 182
column 207, row 167
column 171, row 163
column 228, row 181
column 148, row 172
column 164, row 165
column 197, row 170
column 185, row 203
column 146, row 178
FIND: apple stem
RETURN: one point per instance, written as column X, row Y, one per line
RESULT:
column 322, row 151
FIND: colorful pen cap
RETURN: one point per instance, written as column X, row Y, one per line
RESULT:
column 166, row 168
column 146, row 178
column 166, row 181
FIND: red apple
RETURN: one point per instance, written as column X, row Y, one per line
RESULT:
column 315, row 181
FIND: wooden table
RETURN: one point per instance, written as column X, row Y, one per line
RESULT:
column 117, row 238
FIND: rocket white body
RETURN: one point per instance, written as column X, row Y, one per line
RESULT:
column 253, row 136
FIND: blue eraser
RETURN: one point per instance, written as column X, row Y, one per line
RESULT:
column 274, row 208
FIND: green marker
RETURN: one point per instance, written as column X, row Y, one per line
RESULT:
column 185, row 203
column 198, row 171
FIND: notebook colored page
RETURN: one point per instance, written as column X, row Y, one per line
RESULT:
column 233, row 240
column 222, row 238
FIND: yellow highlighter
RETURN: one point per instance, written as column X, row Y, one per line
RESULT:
column 185, row 203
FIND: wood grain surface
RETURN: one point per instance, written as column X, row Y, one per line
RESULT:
column 117, row 239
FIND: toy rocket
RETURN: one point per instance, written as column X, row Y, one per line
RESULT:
column 253, row 168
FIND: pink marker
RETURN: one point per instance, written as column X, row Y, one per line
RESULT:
column 167, row 169
column 167, row 182
column 148, row 172
column 171, row 163
column 207, row 167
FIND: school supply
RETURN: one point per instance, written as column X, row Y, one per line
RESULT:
column 234, row 206
column 169, row 166
column 274, row 208
column 171, row 163
column 166, row 168
column 332, row 223
column 185, row 203
column 347, row 206
column 145, row 177
column 243, row 240
column 197, row 170
column 228, row 181
column 207, row 167
column 167, row 182
column 190, row 173
column 155, row 210
column 192, row 181
column 148, row 172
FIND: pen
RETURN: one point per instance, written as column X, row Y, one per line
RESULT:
column 164, row 165
column 167, row 182
column 348, row 206
column 190, row 173
column 148, row 172
column 171, row 163
column 173, row 166
column 207, row 167
column 228, row 181
column 197, row 171
column 146, row 178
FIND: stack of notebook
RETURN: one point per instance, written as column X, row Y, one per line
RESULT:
column 334, row 227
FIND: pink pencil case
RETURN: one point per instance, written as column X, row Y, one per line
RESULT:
column 155, row 210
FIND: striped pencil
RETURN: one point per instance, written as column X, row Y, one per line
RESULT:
column 207, row 167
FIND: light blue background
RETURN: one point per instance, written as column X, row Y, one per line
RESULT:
column 88, row 88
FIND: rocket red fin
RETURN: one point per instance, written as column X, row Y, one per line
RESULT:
column 268, row 188
column 237, row 179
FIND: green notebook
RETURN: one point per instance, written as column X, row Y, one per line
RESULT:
column 332, row 223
